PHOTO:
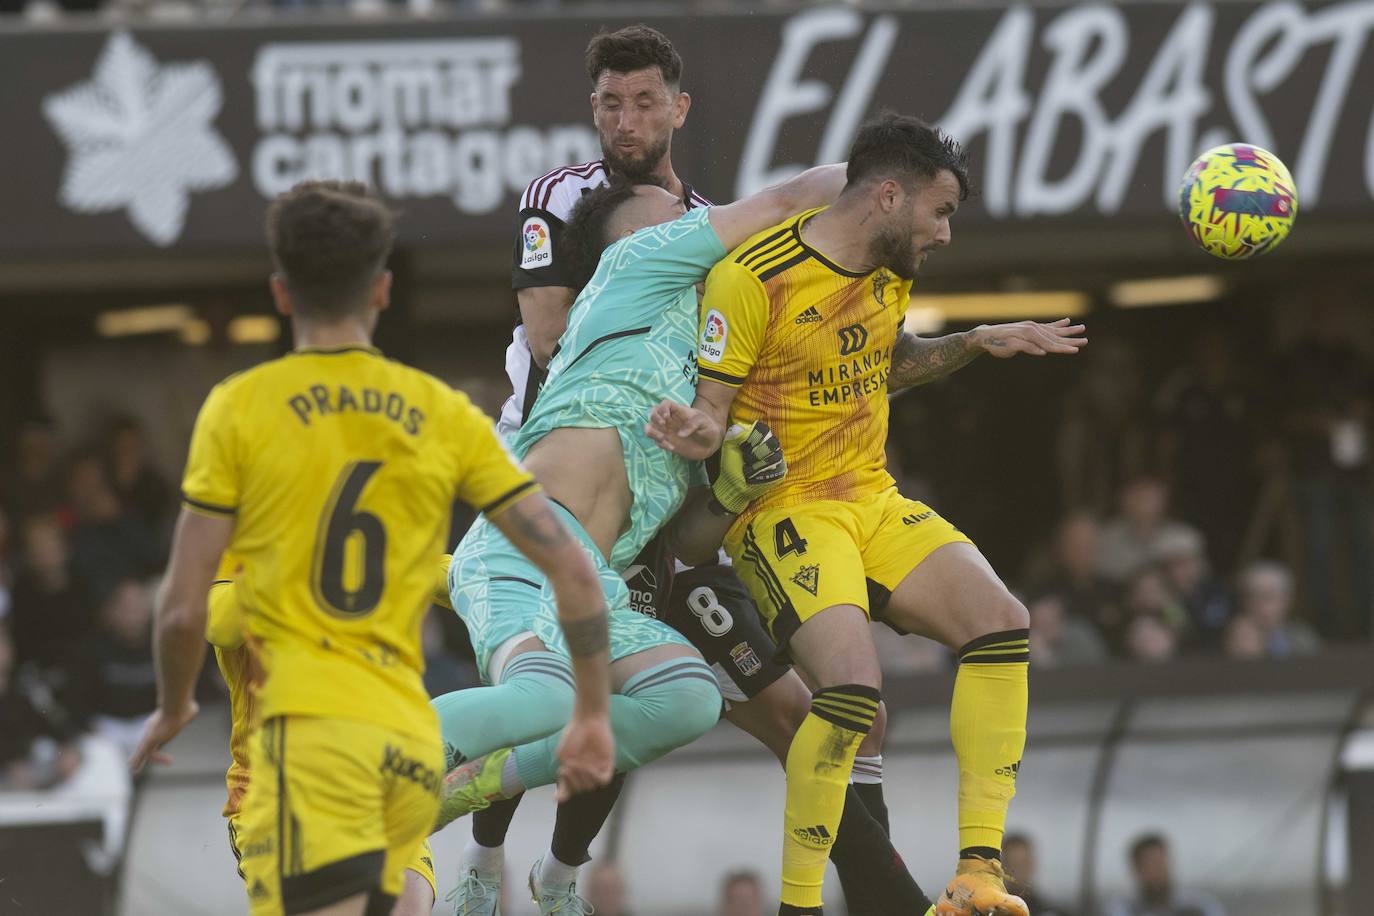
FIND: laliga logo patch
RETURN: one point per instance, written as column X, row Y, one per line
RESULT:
column 536, row 237
column 713, row 336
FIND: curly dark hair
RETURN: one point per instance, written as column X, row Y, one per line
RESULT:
column 633, row 48
column 892, row 145
column 329, row 241
column 587, row 233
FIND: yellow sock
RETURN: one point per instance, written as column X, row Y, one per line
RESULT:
column 987, row 723
column 818, row 765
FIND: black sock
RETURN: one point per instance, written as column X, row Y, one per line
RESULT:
column 580, row 819
column 871, row 794
column 874, row 877
column 489, row 825
column 787, row 909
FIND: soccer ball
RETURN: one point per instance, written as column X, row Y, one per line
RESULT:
column 1237, row 201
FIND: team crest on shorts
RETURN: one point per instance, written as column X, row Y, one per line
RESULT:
column 808, row 577
column 746, row 659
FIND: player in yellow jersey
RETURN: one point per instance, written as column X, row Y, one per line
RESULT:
column 329, row 473
column 802, row 328
column 242, row 674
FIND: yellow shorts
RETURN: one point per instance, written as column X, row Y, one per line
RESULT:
column 422, row 864
column 797, row 561
column 336, row 808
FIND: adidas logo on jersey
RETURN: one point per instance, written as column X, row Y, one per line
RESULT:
column 810, row 316
column 813, row 836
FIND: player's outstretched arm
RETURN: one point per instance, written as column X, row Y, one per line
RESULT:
column 179, row 629
column 918, row 360
column 751, row 464
column 587, row 750
column 815, row 187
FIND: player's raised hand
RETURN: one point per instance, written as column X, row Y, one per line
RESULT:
column 162, row 726
column 683, row 430
column 586, row 755
column 1034, row 337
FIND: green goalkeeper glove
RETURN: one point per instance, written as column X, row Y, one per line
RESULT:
column 751, row 464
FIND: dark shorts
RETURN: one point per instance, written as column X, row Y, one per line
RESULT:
column 711, row 607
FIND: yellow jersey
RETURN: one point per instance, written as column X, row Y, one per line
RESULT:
column 809, row 346
column 240, row 670
column 339, row 468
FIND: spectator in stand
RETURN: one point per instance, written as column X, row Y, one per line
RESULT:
column 1104, row 430
column 1150, row 639
column 1266, row 602
column 108, row 544
column 606, row 889
column 1133, row 539
column 1325, row 385
column 119, row 683
column 1073, row 577
column 1019, row 860
column 50, row 614
column 33, row 482
column 1061, row 639
column 142, row 491
column 1244, row 640
column 1155, row 892
column 1206, row 411
column 34, row 753
column 741, row 894
column 1148, row 595
column 1182, row 559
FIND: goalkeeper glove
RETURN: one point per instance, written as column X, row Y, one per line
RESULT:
column 751, row 464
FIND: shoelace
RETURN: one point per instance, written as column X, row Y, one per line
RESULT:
column 471, row 888
column 566, row 902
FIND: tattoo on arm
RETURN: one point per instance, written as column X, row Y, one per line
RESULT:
column 534, row 522
column 587, row 637
column 918, row 360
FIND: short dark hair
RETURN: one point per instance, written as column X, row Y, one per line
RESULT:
column 1145, row 842
column 1016, row 839
column 892, row 145
column 329, row 241
column 587, row 233
column 633, row 48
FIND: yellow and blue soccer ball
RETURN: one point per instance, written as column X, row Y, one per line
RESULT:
column 1237, row 201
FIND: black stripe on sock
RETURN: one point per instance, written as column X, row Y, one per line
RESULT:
column 841, row 706
column 993, row 639
column 980, row 852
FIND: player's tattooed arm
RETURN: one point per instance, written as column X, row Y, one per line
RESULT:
column 918, row 360
column 587, row 637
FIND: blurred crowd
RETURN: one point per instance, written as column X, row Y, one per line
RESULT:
column 1221, row 508
column 1228, row 513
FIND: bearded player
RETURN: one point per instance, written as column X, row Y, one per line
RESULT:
column 637, row 103
column 802, row 329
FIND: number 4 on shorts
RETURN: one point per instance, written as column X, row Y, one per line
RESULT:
column 786, row 540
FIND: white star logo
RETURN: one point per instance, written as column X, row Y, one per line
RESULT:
column 141, row 137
